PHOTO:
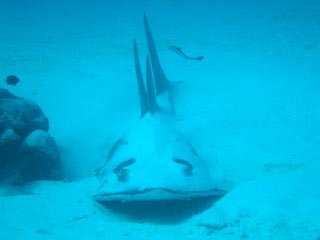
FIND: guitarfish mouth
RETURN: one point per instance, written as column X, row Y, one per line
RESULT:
column 156, row 194
column 159, row 204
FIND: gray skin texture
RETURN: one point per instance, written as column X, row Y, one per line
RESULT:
column 27, row 151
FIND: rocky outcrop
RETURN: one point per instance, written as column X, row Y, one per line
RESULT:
column 27, row 151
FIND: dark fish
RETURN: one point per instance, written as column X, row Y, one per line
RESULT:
column 179, row 51
column 12, row 80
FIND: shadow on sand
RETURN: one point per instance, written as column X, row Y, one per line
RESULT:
column 162, row 212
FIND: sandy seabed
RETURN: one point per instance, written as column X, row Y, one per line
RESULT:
column 251, row 108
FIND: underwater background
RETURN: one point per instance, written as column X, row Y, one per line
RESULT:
column 251, row 108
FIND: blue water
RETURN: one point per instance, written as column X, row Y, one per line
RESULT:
column 251, row 109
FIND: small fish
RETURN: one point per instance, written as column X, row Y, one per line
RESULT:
column 12, row 80
column 179, row 51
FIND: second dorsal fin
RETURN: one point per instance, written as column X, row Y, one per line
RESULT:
column 148, row 101
column 144, row 105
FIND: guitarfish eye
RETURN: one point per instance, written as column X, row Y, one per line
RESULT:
column 122, row 172
column 188, row 166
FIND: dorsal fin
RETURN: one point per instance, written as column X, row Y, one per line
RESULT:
column 160, row 79
column 144, row 106
column 153, row 105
